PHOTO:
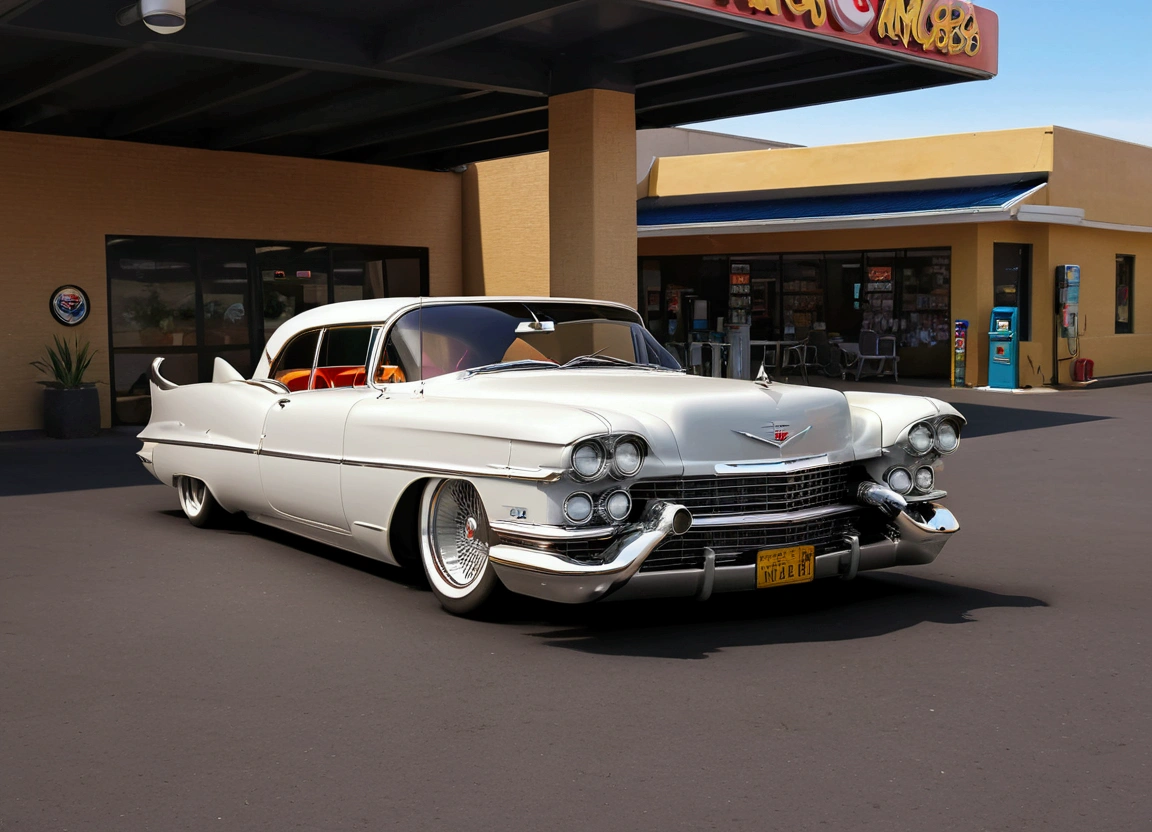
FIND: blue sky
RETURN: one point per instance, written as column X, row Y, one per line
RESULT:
column 1077, row 64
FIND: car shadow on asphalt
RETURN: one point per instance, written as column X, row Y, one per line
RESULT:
column 873, row 605
column 989, row 420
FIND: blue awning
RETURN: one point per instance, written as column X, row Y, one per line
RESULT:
column 988, row 198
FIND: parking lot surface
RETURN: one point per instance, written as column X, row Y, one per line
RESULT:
column 158, row 676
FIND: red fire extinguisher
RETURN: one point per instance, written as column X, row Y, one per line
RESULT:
column 1083, row 369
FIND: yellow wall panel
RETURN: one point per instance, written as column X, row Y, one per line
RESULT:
column 60, row 196
column 1025, row 152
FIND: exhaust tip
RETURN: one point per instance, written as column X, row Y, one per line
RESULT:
column 681, row 521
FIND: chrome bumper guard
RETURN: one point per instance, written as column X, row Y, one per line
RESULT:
column 917, row 534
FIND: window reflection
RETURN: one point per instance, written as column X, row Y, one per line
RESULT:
column 192, row 300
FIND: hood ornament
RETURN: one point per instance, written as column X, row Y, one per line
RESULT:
column 781, row 436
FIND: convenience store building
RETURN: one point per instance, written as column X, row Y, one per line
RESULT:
column 900, row 237
column 905, row 237
column 181, row 194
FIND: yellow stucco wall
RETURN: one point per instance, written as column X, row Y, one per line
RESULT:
column 1024, row 152
column 506, row 248
column 1109, row 179
column 1095, row 252
column 59, row 197
column 591, row 187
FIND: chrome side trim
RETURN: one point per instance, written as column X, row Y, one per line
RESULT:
column 372, row 527
column 504, row 473
column 540, row 475
column 269, row 384
column 211, row 446
column 329, row 460
column 513, row 470
column 779, row 518
column 769, row 467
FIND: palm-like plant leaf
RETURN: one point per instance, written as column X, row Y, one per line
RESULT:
column 66, row 363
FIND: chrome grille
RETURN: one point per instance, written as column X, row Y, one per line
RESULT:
column 735, row 545
column 760, row 494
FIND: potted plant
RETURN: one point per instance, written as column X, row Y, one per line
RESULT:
column 71, row 405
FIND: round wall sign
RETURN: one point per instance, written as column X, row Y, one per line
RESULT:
column 69, row 305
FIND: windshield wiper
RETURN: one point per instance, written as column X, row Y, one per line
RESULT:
column 596, row 358
column 522, row 364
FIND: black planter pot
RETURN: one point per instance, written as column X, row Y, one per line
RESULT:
column 71, row 414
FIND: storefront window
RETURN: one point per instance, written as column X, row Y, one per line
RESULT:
column 803, row 294
column 153, row 299
column 193, row 300
column 294, row 278
column 878, row 299
column 925, row 290
column 1125, row 279
column 905, row 294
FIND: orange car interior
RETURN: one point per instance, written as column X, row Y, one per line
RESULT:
column 326, row 377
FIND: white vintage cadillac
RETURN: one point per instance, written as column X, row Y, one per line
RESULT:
column 552, row 447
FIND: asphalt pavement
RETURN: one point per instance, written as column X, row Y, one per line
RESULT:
column 154, row 676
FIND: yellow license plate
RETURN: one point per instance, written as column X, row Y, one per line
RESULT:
column 778, row 567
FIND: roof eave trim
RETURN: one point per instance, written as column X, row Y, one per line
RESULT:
column 998, row 213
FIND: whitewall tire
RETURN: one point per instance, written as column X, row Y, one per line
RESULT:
column 199, row 506
column 454, row 543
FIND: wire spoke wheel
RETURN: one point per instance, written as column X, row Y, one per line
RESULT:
column 459, row 533
column 455, row 546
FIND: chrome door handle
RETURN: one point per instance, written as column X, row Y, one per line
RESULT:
column 282, row 402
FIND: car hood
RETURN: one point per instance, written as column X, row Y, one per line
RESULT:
column 702, row 421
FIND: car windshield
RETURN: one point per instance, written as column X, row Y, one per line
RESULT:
column 493, row 337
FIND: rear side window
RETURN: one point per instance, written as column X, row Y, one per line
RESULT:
column 294, row 364
column 343, row 357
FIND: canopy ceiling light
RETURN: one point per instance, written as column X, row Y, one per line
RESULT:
column 164, row 17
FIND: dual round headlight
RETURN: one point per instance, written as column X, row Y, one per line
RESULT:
column 920, row 438
column 614, row 507
column 578, row 508
column 944, row 437
column 947, row 436
column 590, row 459
column 901, row 480
column 627, row 457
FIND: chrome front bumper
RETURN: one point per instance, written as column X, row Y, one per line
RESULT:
column 919, row 532
column 557, row 578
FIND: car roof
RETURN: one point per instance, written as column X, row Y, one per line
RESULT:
column 380, row 310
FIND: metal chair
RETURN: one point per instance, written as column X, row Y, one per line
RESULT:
column 880, row 350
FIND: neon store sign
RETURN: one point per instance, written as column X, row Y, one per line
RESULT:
column 942, row 28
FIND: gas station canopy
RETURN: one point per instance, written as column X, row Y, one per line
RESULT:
column 433, row 85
